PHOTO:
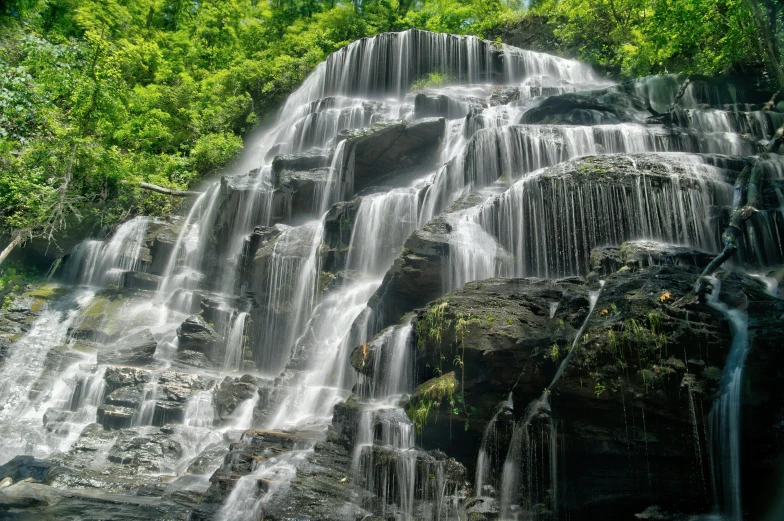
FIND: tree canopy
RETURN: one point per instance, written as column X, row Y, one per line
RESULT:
column 97, row 96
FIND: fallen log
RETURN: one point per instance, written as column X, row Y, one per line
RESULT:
column 166, row 191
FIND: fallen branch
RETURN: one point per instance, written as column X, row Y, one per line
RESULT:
column 166, row 191
column 747, row 182
column 771, row 103
column 11, row 245
column 775, row 143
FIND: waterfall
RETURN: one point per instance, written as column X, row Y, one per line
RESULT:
column 279, row 311
column 725, row 416
column 546, row 224
column 100, row 263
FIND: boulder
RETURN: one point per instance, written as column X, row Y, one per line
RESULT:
column 651, row 348
column 338, row 228
column 161, row 239
column 415, row 275
column 195, row 359
column 135, row 350
column 117, row 377
column 24, row 467
column 312, row 159
column 298, row 193
column 593, row 108
column 232, row 392
column 156, row 452
column 195, row 334
column 115, row 416
column 140, row 280
column 130, row 396
column 439, row 105
column 388, row 146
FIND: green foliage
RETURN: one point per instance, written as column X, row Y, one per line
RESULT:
column 430, row 81
column 98, row 95
column 637, row 37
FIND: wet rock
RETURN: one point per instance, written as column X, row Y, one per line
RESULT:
column 415, row 276
column 160, row 242
column 6, row 482
column 115, row 416
column 439, row 105
column 338, row 228
column 309, row 160
column 155, row 452
column 232, row 392
column 139, row 280
column 195, row 334
column 24, row 467
column 131, row 397
column 345, row 422
column 605, row 260
column 298, row 193
column 362, row 358
column 580, row 109
column 195, row 359
column 209, row 459
column 620, row 368
column 136, row 350
column 384, row 147
column 117, row 377
column 640, row 254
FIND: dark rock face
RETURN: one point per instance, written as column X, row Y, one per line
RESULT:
column 115, row 416
column 415, row 276
column 338, row 227
column 137, row 350
column 310, row 160
column 428, row 105
column 195, row 334
column 139, row 280
column 606, row 260
column 232, row 392
column 298, row 192
column 624, row 366
column 160, row 242
column 316, row 491
column 599, row 108
column 384, row 147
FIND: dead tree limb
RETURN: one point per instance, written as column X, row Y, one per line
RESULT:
column 747, row 184
column 771, row 103
column 9, row 248
column 166, row 191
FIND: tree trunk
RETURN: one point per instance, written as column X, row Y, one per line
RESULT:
column 11, row 245
column 166, row 191
column 769, row 45
column 747, row 183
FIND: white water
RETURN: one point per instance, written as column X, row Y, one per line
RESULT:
column 725, row 416
column 301, row 337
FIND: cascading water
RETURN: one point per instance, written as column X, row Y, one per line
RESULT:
column 725, row 417
column 238, row 291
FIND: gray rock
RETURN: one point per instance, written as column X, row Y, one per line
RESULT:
column 117, row 377
column 152, row 453
column 385, row 147
column 309, row 160
column 194, row 334
column 140, row 280
column 296, row 193
column 188, row 358
column 115, row 416
column 593, row 108
column 131, row 397
column 135, row 350
column 233, row 391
